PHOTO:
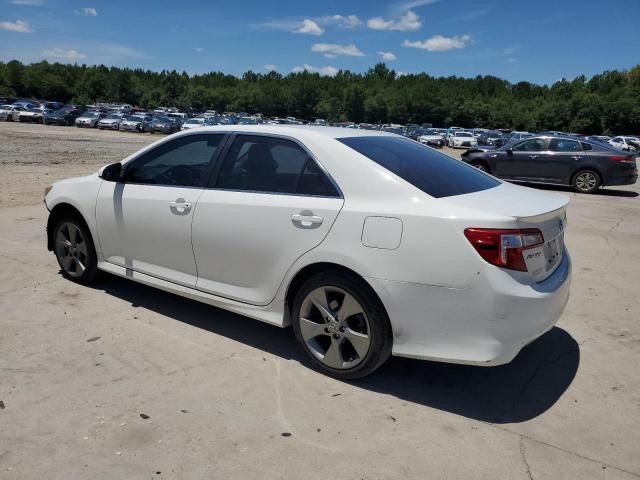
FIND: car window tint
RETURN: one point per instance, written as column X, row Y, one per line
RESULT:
column 586, row 146
column 182, row 162
column 563, row 145
column 533, row 145
column 272, row 165
column 432, row 172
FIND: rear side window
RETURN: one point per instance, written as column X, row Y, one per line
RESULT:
column 432, row 172
column 258, row 163
column 563, row 145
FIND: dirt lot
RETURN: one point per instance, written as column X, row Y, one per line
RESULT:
column 123, row 381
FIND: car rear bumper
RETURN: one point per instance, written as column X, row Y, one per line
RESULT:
column 623, row 176
column 487, row 323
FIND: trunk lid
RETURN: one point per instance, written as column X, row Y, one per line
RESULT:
column 522, row 208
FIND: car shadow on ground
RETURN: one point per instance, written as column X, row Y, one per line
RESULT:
column 519, row 391
column 604, row 192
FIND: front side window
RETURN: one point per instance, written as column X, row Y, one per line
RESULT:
column 433, row 172
column 183, row 162
column 562, row 145
column 272, row 165
column 534, row 145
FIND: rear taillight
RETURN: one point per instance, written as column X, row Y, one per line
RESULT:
column 623, row 158
column 504, row 248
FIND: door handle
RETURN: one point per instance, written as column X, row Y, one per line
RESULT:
column 306, row 219
column 180, row 206
column 533, row 157
column 577, row 157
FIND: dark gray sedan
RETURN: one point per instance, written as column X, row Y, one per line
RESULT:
column 584, row 165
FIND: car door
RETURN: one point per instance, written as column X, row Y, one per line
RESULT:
column 564, row 155
column 268, row 203
column 144, row 222
column 523, row 159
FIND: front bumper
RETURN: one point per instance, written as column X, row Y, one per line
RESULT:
column 108, row 126
column 487, row 323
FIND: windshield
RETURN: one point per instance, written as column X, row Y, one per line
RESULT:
column 136, row 118
column 113, row 116
column 432, row 172
column 195, row 120
column 463, row 134
column 92, row 114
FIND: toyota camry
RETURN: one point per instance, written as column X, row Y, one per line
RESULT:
column 368, row 244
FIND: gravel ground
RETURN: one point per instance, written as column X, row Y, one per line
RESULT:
column 120, row 380
column 33, row 156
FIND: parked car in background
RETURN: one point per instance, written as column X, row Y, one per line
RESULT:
column 55, row 106
column 461, row 139
column 368, row 244
column 431, row 137
column 136, row 123
column 10, row 113
column 479, row 131
column 111, row 121
column 491, row 138
column 597, row 138
column 586, row 166
column 515, row 136
column 193, row 123
column 65, row 116
column 33, row 115
column 89, row 119
column 164, row 125
column 628, row 144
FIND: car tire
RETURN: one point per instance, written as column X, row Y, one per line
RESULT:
column 586, row 181
column 344, row 348
column 480, row 165
column 74, row 250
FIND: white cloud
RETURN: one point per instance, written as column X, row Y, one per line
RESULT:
column 328, row 70
column 348, row 21
column 308, row 26
column 92, row 12
column 270, row 67
column 401, row 74
column 511, row 60
column 332, row 50
column 29, row 3
column 416, row 4
column 408, row 21
column 386, row 56
column 438, row 43
column 199, row 49
column 59, row 53
column 18, row 26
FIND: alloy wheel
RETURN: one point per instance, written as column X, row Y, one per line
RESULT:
column 586, row 181
column 71, row 249
column 335, row 327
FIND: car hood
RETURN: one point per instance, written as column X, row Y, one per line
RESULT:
column 431, row 137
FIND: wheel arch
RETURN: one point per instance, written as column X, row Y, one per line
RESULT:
column 308, row 271
column 60, row 211
column 584, row 169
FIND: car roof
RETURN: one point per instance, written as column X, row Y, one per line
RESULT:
column 298, row 130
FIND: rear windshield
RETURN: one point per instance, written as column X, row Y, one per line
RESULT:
column 432, row 172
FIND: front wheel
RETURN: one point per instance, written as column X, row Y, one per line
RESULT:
column 480, row 166
column 341, row 325
column 586, row 181
column 75, row 251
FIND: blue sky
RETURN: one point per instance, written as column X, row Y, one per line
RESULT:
column 540, row 41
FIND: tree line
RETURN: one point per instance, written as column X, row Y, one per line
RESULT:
column 605, row 103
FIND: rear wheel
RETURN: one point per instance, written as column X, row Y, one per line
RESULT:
column 586, row 181
column 341, row 326
column 75, row 251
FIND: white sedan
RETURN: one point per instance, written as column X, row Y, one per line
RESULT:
column 625, row 143
column 367, row 243
column 460, row 139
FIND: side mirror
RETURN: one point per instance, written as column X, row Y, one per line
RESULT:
column 112, row 173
